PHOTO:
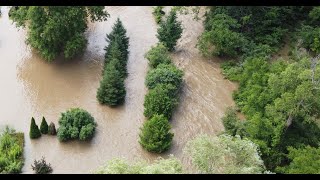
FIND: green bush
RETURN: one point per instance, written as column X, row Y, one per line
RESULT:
column 112, row 90
column 160, row 100
column 41, row 167
column 44, row 126
column 158, row 54
column 11, row 151
column 170, row 31
column 164, row 74
column 52, row 129
column 76, row 123
column 158, row 13
column 34, row 132
column 155, row 135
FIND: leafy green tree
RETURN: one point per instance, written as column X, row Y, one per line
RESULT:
column 112, row 90
column 224, row 154
column 303, row 161
column 158, row 13
column 170, row 31
column 155, row 134
column 160, row 100
column 52, row 129
column 34, row 132
column 76, row 123
column 223, row 36
column 57, row 29
column 164, row 74
column 158, row 55
column 159, row 166
column 44, row 126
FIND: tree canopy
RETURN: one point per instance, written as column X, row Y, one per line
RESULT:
column 57, row 29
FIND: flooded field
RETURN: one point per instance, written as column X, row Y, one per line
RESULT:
column 33, row 87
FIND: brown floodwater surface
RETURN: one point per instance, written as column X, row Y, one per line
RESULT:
column 32, row 87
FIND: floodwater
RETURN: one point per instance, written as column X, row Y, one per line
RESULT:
column 32, row 87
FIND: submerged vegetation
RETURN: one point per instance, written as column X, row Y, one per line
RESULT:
column 76, row 123
column 11, row 151
column 53, row 30
column 112, row 89
column 279, row 98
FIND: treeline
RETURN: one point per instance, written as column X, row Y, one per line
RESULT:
column 280, row 99
column 163, row 81
column 112, row 89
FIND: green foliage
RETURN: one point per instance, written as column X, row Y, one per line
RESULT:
column 303, row 161
column 231, row 70
column 155, row 134
column 34, row 132
column 226, row 41
column 232, row 124
column 160, row 100
column 160, row 166
column 52, row 129
column 56, row 29
column 310, row 36
column 76, row 123
column 170, row 31
column 44, row 126
column 239, row 30
column 41, row 167
column 164, row 74
column 158, row 55
column 112, row 90
column 224, row 154
column 158, row 13
column 11, row 151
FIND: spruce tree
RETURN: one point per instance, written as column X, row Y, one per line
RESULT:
column 112, row 90
column 118, row 30
column 52, row 129
column 34, row 132
column 44, row 126
column 170, row 31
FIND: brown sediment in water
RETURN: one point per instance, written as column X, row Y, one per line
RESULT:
column 33, row 87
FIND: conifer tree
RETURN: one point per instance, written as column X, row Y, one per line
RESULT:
column 44, row 126
column 34, row 132
column 52, row 129
column 170, row 31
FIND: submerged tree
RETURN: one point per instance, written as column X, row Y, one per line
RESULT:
column 34, row 132
column 224, row 154
column 155, row 134
column 57, row 29
column 170, row 31
column 44, row 126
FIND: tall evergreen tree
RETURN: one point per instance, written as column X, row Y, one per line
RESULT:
column 34, row 132
column 170, row 31
column 112, row 90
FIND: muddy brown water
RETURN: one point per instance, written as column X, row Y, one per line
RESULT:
column 32, row 87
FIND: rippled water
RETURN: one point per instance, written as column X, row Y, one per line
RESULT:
column 33, row 87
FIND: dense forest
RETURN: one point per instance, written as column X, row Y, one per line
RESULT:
column 278, row 97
